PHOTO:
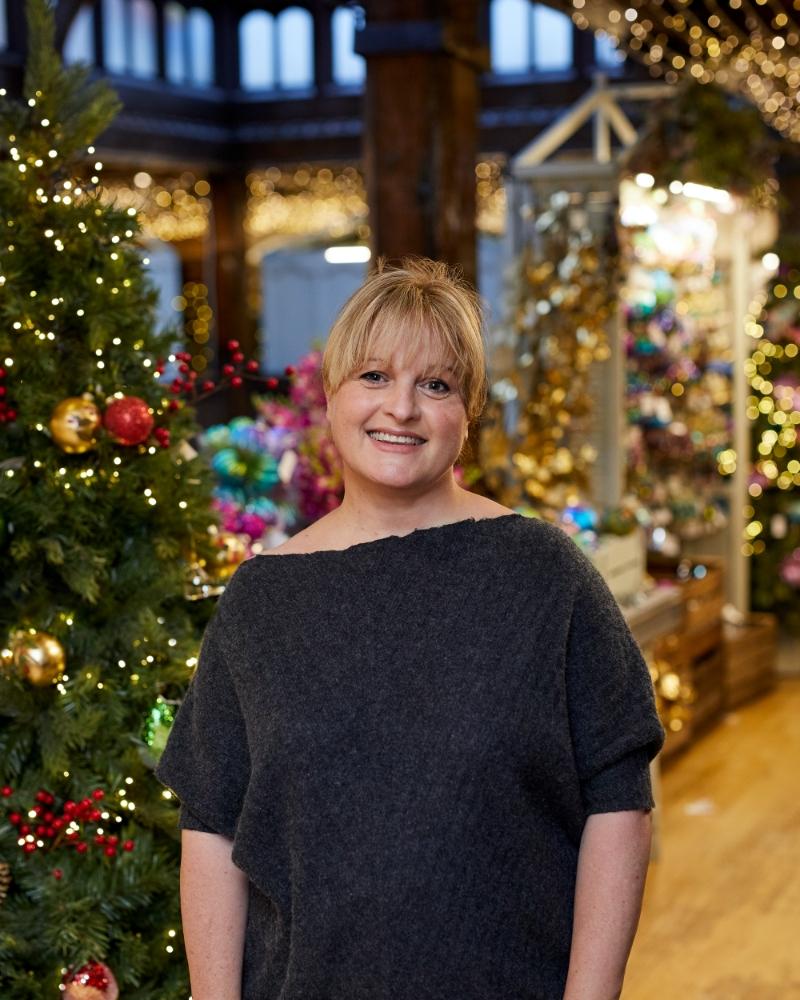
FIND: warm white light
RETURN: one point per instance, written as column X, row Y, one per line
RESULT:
column 770, row 262
column 645, row 180
column 717, row 196
column 347, row 255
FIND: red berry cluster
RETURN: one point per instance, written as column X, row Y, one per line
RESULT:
column 187, row 383
column 50, row 828
column 7, row 413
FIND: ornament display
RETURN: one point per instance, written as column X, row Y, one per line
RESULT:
column 38, row 656
column 93, row 981
column 74, row 424
column 678, row 369
column 535, row 445
column 128, row 420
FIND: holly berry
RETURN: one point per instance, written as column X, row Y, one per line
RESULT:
column 251, row 366
column 98, row 793
column 6, row 790
column 272, row 382
column 233, row 345
column 236, row 381
column 29, row 848
column 237, row 358
column 110, row 852
column 99, row 840
column 58, row 874
column 15, row 818
column 82, row 847
column 173, row 404
column 228, row 369
column 128, row 845
column 207, row 386
column 2, row 373
column 176, row 386
column 289, row 370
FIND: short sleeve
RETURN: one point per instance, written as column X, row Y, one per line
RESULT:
column 615, row 727
column 206, row 761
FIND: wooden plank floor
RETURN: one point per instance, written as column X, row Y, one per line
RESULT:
column 721, row 917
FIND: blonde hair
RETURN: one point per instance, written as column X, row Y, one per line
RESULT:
column 420, row 303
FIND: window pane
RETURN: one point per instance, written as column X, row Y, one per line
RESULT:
column 201, row 47
column 295, row 48
column 348, row 67
column 552, row 38
column 3, row 25
column 143, row 55
column 79, row 43
column 256, row 48
column 509, row 36
column 174, row 18
column 606, row 53
column 114, row 23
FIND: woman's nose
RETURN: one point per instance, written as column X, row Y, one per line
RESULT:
column 401, row 401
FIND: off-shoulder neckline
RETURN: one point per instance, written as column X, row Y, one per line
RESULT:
column 417, row 534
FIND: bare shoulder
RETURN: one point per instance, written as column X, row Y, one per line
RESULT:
column 483, row 507
column 311, row 539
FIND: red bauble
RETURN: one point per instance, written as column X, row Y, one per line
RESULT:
column 93, row 981
column 128, row 420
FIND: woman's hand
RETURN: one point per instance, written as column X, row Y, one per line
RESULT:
column 612, row 867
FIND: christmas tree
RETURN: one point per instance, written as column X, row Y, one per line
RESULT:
column 772, row 536
column 103, row 508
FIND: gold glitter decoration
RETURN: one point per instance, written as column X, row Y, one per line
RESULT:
column 540, row 404
column 171, row 209
column 745, row 46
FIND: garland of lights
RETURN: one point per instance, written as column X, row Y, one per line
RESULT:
column 747, row 47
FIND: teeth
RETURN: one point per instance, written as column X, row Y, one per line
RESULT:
column 394, row 438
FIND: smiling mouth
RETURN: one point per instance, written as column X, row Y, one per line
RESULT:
column 395, row 438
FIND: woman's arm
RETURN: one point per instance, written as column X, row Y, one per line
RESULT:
column 612, row 867
column 214, row 915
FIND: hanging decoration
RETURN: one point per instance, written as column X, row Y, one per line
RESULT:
column 746, row 46
column 75, row 423
column 540, row 404
column 128, row 419
column 157, row 726
column 38, row 657
column 93, row 981
column 701, row 136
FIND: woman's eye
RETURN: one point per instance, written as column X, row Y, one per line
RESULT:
column 437, row 386
column 371, row 376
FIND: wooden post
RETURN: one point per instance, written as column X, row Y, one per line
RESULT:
column 420, row 135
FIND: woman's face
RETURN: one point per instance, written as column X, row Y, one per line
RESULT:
column 399, row 421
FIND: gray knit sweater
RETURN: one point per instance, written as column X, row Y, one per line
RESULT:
column 404, row 739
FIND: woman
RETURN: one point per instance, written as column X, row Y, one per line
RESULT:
column 413, row 761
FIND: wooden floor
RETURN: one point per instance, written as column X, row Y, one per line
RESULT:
column 721, row 917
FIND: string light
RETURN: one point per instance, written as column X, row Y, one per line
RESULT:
column 745, row 48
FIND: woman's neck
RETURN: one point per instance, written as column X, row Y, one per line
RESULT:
column 365, row 514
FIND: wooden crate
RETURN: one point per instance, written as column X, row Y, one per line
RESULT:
column 751, row 651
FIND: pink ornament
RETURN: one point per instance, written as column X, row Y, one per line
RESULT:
column 790, row 569
column 93, row 981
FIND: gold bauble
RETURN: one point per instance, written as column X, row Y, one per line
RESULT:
column 74, row 424
column 232, row 551
column 39, row 657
